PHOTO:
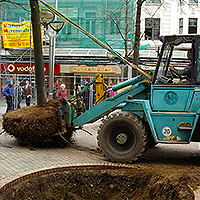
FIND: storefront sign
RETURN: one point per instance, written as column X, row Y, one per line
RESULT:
column 26, row 68
column 88, row 69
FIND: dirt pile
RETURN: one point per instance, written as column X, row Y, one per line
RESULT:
column 139, row 183
column 33, row 124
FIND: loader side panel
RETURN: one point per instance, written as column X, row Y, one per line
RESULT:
column 167, row 127
column 171, row 97
column 174, row 127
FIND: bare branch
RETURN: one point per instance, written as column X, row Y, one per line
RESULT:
column 116, row 24
column 15, row 4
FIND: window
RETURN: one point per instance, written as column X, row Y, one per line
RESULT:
column 198, row 61
column 113, row 28
column 90, row 22
column 153, row 1
column 152, row 28
column 69, row 29
column 192, row 28
column 115, row 19
column 87, row 26
column 181, row 26
column 90, row 15
column 193, row 1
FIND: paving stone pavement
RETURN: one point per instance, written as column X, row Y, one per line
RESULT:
column 17, row 160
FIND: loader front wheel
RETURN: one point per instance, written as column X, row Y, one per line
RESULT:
column 122, row 137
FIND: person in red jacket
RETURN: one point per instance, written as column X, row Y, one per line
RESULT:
column 62, row 93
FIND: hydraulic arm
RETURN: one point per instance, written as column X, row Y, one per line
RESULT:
column 110, row 103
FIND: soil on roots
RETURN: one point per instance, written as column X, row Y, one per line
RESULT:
column 34, row 124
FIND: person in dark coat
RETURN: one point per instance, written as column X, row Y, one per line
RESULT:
column 9, row 93
column 27, row 92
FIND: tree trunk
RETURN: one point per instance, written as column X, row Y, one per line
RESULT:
column 38, row 56
column 137, row 35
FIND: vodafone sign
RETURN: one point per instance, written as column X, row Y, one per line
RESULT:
column 20, row 69
column 26, row 68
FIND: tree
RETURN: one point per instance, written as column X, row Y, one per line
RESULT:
column 137, row 34
column 128, row 29
column 38, row 56
column 125, row 30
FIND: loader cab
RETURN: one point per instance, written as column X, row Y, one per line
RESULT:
column 175, row 101
column 163, row 74
column 170, row 92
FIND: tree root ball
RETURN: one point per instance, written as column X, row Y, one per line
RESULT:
column 33, row 123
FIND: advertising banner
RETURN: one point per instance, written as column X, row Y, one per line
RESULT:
column 16, row 35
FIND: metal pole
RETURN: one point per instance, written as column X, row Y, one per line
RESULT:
column 51, row 65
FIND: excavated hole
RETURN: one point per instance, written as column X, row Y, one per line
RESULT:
column 90, row 184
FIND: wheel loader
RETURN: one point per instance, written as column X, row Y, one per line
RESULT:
column 164, row 109
column 158, row 107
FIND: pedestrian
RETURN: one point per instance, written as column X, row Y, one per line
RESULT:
column 9, row 93
column 55, row 90
column 27, row 92
column 18, row 95
column 62, row 92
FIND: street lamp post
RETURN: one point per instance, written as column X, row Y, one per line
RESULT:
column 47, row 19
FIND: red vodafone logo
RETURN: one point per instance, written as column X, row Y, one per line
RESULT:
column 11, row 68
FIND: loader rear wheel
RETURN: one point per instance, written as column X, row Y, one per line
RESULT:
column 122, row 137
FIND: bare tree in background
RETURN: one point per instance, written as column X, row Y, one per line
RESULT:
column 126, row 29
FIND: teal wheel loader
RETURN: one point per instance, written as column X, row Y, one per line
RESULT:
column 145, row 112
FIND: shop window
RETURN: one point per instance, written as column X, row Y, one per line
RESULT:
column 181, row 26
column 152, row 28
column 192, row 27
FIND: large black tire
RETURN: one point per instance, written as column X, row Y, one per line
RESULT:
column 122, row 137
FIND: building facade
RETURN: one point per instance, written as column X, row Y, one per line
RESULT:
column 168, row 17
